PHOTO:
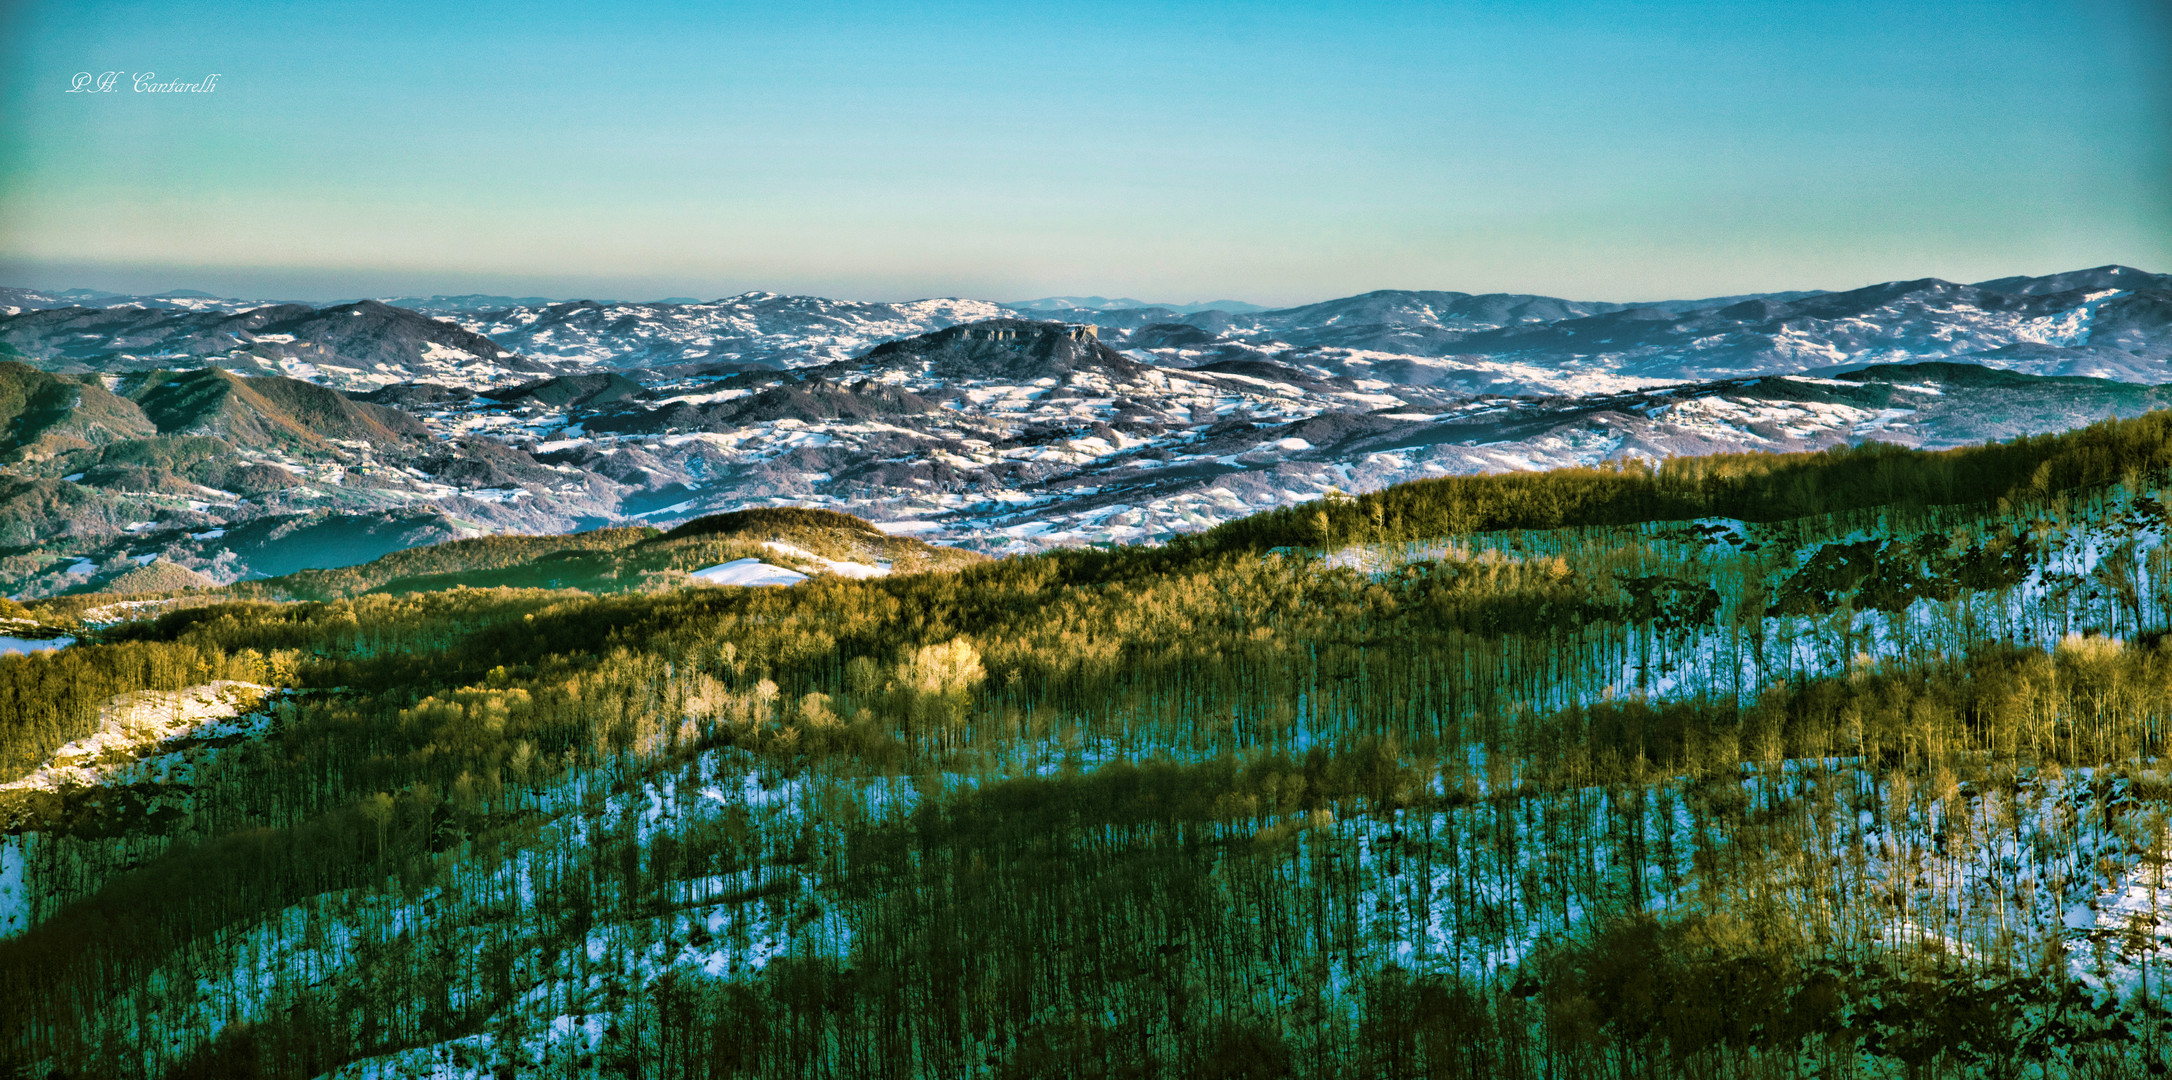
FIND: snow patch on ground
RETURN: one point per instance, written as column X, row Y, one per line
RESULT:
column 841, row 569
column 747, row 572
column 14, row 891
column 126, row 611
column 130, row 724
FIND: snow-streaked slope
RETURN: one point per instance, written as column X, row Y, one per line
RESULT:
column 356, row 346
column 829, row 566
column 1163, row 422
column 2115, row 333
column 756, row 329
column 1111, row 450
column 2109, row 323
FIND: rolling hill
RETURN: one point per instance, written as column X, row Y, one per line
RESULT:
column 1737, row 761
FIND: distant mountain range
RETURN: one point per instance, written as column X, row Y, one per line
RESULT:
column 13, row 300
column 235, row 439
column 1103, row 303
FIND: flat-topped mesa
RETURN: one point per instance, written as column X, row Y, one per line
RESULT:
column 1008, row 349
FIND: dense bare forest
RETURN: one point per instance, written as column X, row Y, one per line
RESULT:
column 1839, row 764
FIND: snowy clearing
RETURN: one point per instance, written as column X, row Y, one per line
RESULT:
column 746, row 572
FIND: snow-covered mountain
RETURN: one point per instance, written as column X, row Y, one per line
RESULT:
column 1011, row 432
column 441, row 305
column 958, row 421
column 2104, row 322
column 2108, row 322
column 2091, row 280
column 15, row 301
column 752, row 330
column 2103, row 332
column 347, row 346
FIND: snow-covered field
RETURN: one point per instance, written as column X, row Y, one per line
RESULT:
column 746, row 572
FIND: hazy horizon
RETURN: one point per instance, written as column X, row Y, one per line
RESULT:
column 331, row 297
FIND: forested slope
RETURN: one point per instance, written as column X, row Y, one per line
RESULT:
column 619, row 559
column 1837, row 764
column 1751, row 487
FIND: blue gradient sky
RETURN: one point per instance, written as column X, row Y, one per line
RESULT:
column 1273, row 152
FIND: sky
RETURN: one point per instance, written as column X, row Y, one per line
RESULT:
column 1269, row 152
